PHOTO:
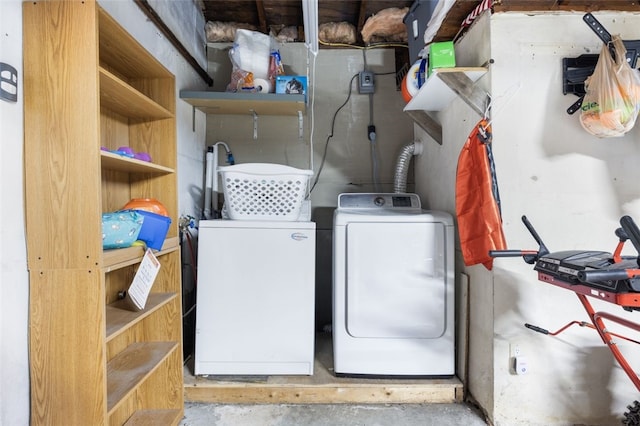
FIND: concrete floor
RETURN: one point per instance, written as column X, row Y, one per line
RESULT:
column 200, row 414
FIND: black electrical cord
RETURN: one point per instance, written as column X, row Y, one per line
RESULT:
column 333, row 122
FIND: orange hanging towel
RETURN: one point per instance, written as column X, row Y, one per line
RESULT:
column 478, row 200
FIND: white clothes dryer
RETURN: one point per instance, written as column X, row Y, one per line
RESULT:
column 393, row 287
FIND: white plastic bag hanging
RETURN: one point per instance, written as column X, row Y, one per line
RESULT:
column 612, row 100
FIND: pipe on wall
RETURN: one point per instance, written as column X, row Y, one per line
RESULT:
column 402, row 166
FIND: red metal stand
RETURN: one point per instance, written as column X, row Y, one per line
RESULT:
column 603, row 276
column 628, row 300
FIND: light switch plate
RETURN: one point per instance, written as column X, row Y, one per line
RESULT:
column 8, row 83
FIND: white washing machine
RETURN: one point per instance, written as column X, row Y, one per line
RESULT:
column 393, row 287
column 255, row 298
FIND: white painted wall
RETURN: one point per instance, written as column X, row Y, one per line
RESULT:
column 14, row 283
column 186, row 21
column 573, row 187
column 348, row 166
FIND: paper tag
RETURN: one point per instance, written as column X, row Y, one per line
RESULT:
column 140, row 288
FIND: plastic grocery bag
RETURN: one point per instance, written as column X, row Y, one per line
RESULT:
column 612, row 100
column 251, row 52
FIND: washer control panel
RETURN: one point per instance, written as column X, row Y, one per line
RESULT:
column 390, row 201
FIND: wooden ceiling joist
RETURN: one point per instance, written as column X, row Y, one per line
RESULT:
column 262, row 18
column 362, row 16
column 565, row 5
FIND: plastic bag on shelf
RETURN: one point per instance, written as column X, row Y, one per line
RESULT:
column 612, row 100
column 251, row 52
column 241, row 80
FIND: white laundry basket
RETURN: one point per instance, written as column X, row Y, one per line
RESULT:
column 264, row 191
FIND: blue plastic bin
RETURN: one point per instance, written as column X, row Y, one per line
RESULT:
column 154, row 229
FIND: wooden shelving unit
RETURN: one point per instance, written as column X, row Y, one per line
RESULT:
column 438, row 92
column 88, row 84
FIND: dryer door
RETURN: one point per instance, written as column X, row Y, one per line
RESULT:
column 396, row 279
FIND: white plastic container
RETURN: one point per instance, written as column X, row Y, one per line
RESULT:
column 264, row 191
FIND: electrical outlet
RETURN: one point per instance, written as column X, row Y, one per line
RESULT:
column 517, row 361
column 515, row 350
column 366, row 83
column 521, row 365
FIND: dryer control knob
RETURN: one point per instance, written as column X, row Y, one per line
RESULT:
column 379, row 201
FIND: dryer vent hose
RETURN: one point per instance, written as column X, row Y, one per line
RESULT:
column 402, row 166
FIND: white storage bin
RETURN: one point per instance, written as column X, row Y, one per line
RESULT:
column 264, row 191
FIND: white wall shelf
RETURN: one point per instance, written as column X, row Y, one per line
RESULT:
column 254, row 104
column 244, row 103
column 438, row 92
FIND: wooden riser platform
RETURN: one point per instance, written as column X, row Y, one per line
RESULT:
column 321, row 388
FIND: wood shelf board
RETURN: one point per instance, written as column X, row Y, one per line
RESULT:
column 245, row 103
column 427, row 123
column 127, row 370
column 154, row 418
column 55, row 362
column 123, row 52
column 120, row 258
column 120, row 97
column 59, row 148
column 119, row 318
column 435, row 94
column 112, row 161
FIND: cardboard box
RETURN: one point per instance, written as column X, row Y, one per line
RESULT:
column 291, row 85
column 441, row 55
column 154, row 229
